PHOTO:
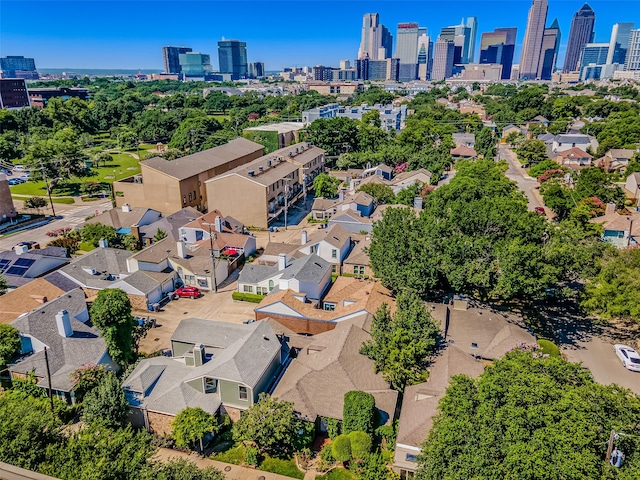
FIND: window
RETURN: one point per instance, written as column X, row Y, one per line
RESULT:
column 333, row 269
column 334, row 253
column 190, row 196
column 243, row 392
column 248, row 289
column 355, row 269
column 474, row 345
column 270, row 285
column 184, row 199
column 411, row 458
column 330, row 307
column 361, row 270
column 210, row 385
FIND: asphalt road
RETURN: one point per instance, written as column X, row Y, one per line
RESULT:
column 71, row 216
column 516, row 173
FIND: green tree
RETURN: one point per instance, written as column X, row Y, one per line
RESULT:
column 532, row 152
column 326, row 186
column 9, row 344
column 193, row 132
column 182, row 469
column 94, row 232
column 160, row 234
column 111, row 313
column 335, row 135
column 102, row 158
column 382, row 194
column 539, row 168
column 360, row 444
column 86, row 378
column 106, row 404
column 358, row 412
column 515, row 139
column 192, row 425
column 271, row 424
column 529, row 416
column 401, row 343
column 372, row 467
column 341, row 448
column 36, row 203
column 486, row 143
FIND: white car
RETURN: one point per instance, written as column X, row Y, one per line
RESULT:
column 628, row 356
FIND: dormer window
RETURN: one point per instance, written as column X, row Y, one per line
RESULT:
column 210, row 385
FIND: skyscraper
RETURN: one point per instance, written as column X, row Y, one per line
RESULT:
column 442, row 59
column 407, row 50
column 463, row 38
column 592, row 60
column 195, row 64
column 549, row 51
column 18, row 67
column 425, row 56
column 580, row 34
column 532, row 44
column 498, row 47
column 232, row 58
column 255, row 70
column 472, row 24
column 632, row 62
column 171, row 58
column 375, row 37
column 620, row 35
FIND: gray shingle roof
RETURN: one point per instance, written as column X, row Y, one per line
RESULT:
column 252, row 274
column 310, row 268
column 118, row 218
column 171, row 223
column 580, row 139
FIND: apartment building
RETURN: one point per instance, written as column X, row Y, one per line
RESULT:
column 169, row 186
column 255, row 193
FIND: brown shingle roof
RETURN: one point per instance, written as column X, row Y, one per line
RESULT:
column 336, row 235
column 26, row 298
column 358, row 255
column 463, row 151
column 616, row 222
column 574, row 153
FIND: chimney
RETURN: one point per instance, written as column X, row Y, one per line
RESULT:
column 198, row 355
column 20, row 249
column 102, row 243
column 303, row 237
column 610, row 208
column 282, row 261
column 135, row 231
column 63, row 321
column 181, row 249
column 126, row 208
column 218, row 223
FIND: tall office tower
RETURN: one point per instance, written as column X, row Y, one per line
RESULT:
column 13, row 93
column 255, row 70
column 18, row 67
column 171, row 58
column 460, row 35
column 442, row 60
column 362, row 68
column 344, row 64
column 498, row 47
column 407, row 50
column 472, row 25
column 580, row 34
column 632, row 62
column 232, row 58
column 195, row 64
column 549, row 51
column 374, row 37
column 592, row 60
column 425, row 52
column 386, row 42
column 322, row 73
column 619, row 42
column 378, row 70
column 532, row 44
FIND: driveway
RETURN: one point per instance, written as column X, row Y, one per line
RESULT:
column 518, row 174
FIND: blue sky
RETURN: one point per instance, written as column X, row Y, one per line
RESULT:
column 130, row 34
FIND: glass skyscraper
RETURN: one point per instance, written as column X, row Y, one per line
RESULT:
column 18, row 67
column 549, row 51
column 498, row 47
column 171, row 58
column 407, row 50
column 580, row 34
column 532, row 44
column 232, row 57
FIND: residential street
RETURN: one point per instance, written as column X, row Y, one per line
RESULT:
column 516, row 173
column 72, row 216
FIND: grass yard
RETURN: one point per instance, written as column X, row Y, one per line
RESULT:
column 282, row 467
column 338, row 474
column 234, row 455
column 61, row 200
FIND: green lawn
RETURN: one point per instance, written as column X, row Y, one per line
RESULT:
column 63, row 200
column 234, row 455
column 123, row 166
column 287, row 468
column 338, row 474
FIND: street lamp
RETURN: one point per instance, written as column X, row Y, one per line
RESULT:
column 213, row 259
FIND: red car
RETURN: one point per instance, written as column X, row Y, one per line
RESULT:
column 184, row 292
column 540, row 210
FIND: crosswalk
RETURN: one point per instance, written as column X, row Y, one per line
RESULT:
column 85, row 210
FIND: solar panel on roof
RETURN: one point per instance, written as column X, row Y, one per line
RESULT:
column 24, row 262
column 4, row 263
column 17, row 271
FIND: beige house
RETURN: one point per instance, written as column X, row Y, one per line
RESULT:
column 336, row 88
column 255, row 193
column 169, row 186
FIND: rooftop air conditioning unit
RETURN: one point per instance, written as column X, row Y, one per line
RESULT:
column 260, row 169
column 251, row 173
column 268, row 163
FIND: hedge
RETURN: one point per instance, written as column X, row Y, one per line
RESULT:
column 359, row 412
column 247, row 297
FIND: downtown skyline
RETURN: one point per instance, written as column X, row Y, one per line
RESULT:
column 122, row 40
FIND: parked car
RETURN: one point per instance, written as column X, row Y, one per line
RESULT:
column 7, row 172
column 628, row 356
column 540, row 210
column 18, row 168
column 14, row 181
column 186, row 292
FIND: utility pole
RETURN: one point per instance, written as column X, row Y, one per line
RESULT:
column 46, row 182
column 213, row 259
column 46, row 361
column 286, row 201
column 610, row 446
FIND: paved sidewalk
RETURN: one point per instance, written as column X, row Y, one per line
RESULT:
column 231, row 472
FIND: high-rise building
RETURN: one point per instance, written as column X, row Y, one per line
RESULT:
column 171, row 58
column 255, row 70
column 497, row 47
column 425, row 56
column 407, row 50
column 632, row 62
column 344, row 64
column 377, row 70
column 472, row 24
column 532, row 44
column 376, row 42
column 580, row 34
column 593, row 60
column 620, row 35
column 18, row 67
column 549, row 51
column 322, row 74
column 13, row 93
column 232, row 58
column 362, row 68
column 443, row 53
column 195, row 64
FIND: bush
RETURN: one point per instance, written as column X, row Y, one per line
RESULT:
column 251, row 456
column 326, row 454
column 341, row 448
column 359, row 412
column 360, row 444
column 549, row 348
column 334, row 427
column 247, row 297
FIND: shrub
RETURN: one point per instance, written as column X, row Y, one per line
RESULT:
column 334, row 427
column 251, row 456
column 359, row 412
column 326, row 454
column 360, row 444
column 549, row 348
column 341, row 448
column 247, row 297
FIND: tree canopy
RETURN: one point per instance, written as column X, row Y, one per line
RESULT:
column 191, row 425
column 9, row 344
column 105, row 404
column 111, row 313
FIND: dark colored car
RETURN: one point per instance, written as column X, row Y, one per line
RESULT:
column 186, row 292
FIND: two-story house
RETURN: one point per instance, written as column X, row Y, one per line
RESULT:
column 332, row 244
